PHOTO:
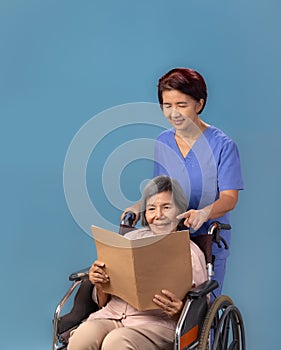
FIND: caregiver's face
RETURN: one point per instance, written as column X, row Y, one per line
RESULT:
column 180, row 109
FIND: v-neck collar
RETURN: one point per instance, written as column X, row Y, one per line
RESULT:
column 190, row 152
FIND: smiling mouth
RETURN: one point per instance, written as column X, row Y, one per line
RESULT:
column 177, row 121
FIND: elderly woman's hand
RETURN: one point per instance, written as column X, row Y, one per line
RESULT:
column 97, row 275
column 169, row 303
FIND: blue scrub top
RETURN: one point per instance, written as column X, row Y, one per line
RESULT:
column 211, row 166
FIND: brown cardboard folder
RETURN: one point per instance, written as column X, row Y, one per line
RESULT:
column 140, row 268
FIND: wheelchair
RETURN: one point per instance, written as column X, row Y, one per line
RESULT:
column 201, row 325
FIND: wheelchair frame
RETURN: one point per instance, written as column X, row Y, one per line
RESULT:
column 200, row 326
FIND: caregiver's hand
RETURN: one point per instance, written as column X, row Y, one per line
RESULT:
column 195, row 218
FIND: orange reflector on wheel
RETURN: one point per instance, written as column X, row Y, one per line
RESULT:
column 189, row 337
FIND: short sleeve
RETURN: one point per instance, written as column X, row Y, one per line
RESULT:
column 229, row 168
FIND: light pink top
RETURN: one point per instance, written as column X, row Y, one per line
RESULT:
column 118, row 309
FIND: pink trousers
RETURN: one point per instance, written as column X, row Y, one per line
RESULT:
column 107, row 334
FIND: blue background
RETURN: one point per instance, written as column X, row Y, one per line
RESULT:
column 61, row 63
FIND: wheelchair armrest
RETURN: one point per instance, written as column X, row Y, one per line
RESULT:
column 79, row 275
column 203, row 289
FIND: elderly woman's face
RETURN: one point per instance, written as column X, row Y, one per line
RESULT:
column 161, row 213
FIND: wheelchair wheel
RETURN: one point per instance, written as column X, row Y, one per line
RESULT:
column 223, row 328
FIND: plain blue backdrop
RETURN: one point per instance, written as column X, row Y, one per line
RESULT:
column 64, row 61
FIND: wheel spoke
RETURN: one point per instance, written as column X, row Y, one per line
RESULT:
column 225, row 333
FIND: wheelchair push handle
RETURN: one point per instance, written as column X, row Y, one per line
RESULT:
column 126, row 225
column 215, row 229
column 79, row 275
column 128, row 219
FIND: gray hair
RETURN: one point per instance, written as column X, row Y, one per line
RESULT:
column 159, row 184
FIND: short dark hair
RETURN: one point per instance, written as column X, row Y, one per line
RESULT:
column 185, row 80
column 159, row 184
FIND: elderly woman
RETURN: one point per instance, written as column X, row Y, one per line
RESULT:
column 118, row 325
